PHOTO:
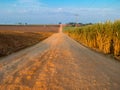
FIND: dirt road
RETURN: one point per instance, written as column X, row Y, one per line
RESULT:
column 59, row 63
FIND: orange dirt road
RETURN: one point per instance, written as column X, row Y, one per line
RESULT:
column 59, row 63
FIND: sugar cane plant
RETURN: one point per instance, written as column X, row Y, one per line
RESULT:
column 104, row 37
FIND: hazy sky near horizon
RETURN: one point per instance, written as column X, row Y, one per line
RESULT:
column 55, row 11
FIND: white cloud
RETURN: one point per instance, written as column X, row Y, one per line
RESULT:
column 29, row 2
column 26, row 6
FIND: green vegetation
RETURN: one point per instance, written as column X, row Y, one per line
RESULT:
column 104, row 37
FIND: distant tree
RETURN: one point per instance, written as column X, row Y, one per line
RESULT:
column 60, row 23
column 19, row 23
column 26, row 23
column 71, row 24
column 88, row 24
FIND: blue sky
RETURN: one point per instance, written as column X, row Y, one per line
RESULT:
column 55, row 11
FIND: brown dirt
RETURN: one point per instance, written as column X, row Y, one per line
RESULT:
column 30, row 28
column 17, row 37
column 59, row 63
column 11, row 41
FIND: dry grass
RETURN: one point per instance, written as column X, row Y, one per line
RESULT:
column 12, row 41
column 103, row 37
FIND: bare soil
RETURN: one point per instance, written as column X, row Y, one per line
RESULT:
column 14, row 41
column 30, row 28
column 16, row 37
